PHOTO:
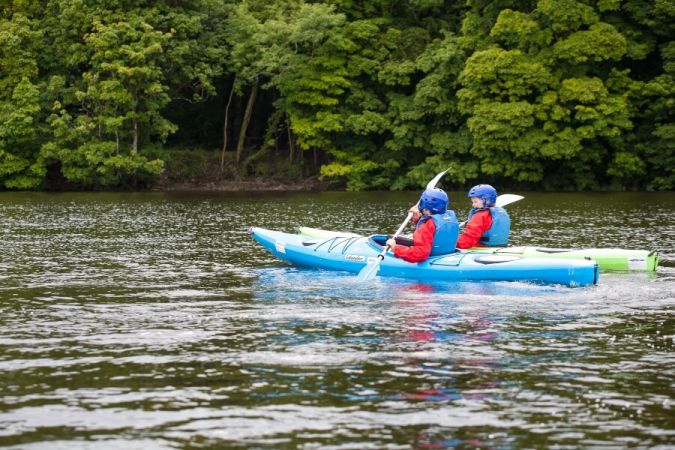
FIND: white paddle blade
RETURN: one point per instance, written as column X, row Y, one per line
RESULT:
column 507, row 199
column 369, row 272
column 432, row 183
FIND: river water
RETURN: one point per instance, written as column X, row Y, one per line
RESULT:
column 153, row 321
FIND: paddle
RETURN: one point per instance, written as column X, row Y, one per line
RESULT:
column 507, row 199
column 502, row 201
column 369, row 272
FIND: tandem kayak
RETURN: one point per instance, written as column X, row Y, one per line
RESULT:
column 352, row 253
column 607, row 258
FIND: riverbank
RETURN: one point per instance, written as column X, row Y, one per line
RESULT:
column 247, row 184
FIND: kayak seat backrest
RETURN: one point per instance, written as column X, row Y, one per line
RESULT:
column 381, row 239
column 405, row 240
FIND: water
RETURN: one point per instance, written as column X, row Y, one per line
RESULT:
column 153, row 321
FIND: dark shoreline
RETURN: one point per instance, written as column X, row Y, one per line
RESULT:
column 243, row 185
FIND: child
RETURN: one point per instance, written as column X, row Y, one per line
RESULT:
column 436, row 229
column 487, row 225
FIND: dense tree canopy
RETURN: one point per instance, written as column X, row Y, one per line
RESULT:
column 381, row 94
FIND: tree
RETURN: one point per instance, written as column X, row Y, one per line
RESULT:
column 401, row 121
column 121, row 100
column 540, row 94
column 21, row 166
column 646, row 155
column 283, row 46
column 243, row 25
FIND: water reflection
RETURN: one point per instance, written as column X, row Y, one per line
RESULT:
column 427, row 347
column 432, row 326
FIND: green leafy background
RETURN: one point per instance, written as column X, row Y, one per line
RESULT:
column 549, row 94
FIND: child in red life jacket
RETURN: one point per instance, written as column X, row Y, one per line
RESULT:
column 436, row 229
column 487, row 225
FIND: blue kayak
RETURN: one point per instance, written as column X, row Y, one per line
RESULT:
column 352, row 253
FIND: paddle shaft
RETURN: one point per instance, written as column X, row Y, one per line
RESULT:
column 399, row 231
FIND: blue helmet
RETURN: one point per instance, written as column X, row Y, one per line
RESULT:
column 435, row 200
column 484, row 192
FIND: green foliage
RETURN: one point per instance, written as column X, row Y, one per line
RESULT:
column 559, row 94
column 124, row 88
column 626, row 165
column 98, row 164
column 192, row 59
column 361, row 174
column 109, row 73
column 607, row 43
column 532, row 97
column 120, row 99
column 20, row 164
column 564, row 16
column 653, row 138
column 517, row 30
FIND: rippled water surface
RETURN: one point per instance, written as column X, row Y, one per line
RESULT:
column 152, row 321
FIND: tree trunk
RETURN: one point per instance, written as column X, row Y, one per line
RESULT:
column 246, row 121
column 134, row 147
column 227, row 112
column 291, row 146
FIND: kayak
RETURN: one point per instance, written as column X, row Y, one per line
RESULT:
column 353, row 253
column 607, row 258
